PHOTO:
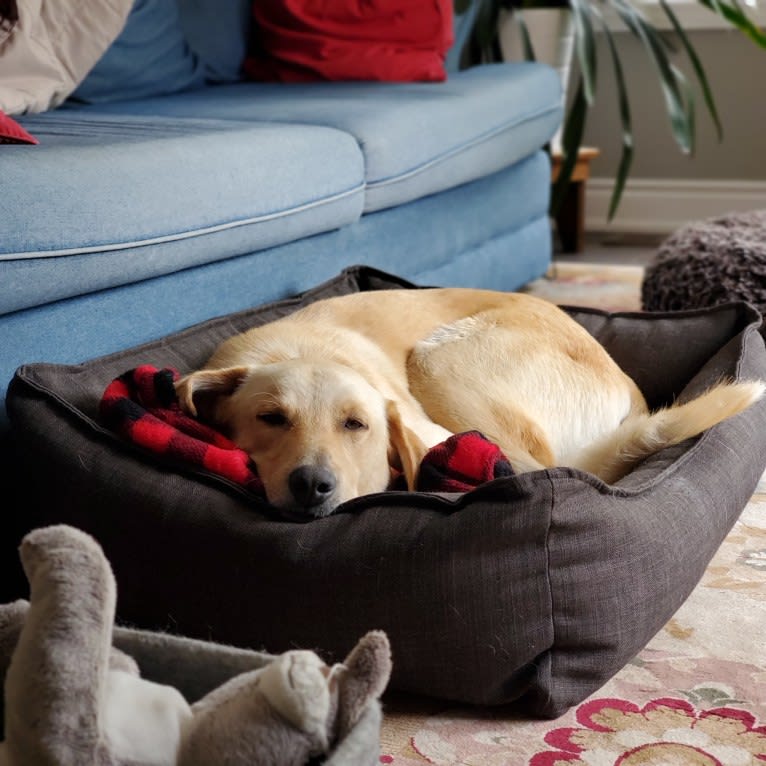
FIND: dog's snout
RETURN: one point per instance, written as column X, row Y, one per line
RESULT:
column 311, row 485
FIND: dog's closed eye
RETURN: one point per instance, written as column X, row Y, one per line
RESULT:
column 276, row 419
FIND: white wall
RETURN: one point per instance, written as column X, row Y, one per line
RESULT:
column 667, row 188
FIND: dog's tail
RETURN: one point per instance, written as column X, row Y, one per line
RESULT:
column 642, row 434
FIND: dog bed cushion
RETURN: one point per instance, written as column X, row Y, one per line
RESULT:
column 531, row 589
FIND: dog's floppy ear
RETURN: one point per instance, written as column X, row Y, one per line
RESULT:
column 198, row 391
column 406, row 449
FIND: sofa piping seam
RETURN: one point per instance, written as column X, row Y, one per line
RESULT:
column 455, row 151
column 190, row 234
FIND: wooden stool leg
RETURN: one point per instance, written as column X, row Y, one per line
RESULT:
column 570, row 220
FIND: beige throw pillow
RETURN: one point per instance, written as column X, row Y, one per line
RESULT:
column 52, row 47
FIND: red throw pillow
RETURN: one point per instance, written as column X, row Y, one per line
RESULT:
column 392, row 40
column 12, row 133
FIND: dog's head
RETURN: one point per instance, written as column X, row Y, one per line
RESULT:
column 318, row 432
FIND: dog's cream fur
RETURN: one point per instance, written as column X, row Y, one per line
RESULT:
column 348, row 387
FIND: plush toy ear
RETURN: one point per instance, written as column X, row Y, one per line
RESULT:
column 199, row 391
column 406, row 449
column 363, row 678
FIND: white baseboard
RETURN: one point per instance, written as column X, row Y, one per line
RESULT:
column 660, row 206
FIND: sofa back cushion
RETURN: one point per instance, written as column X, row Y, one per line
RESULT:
column 462, row 27
column 150, row 57
column 218, row 33
column 390, row 40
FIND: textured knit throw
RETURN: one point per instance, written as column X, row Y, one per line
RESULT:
column 142, row 407
column 707, row 263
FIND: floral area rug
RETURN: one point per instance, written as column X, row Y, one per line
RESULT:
column 695, row 696
column 602, row 286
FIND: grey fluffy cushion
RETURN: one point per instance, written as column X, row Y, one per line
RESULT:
column 532, row 589
column 708, row 263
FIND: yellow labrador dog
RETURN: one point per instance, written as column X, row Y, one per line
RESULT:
column 328, row 399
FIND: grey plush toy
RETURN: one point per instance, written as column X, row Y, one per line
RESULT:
column 73, row 699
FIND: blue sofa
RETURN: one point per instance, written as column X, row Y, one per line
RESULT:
column 139, row 215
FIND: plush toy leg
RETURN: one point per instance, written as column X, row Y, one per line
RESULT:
column 12, row 618
column 71, row 699
column 58, row 671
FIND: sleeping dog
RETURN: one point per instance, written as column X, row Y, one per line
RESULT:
column 329, row 400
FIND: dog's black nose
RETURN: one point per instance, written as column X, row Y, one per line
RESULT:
column 311, row 485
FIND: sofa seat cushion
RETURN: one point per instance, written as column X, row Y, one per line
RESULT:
column 417, row 138
column 151, row 188
column 493, row 232
column 531, row 589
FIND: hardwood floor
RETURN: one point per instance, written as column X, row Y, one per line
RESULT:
column 625, row 249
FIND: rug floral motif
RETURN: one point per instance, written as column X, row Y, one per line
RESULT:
column 695, row 696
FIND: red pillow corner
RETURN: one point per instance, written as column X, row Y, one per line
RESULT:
column 12, row 133
column 379, row 40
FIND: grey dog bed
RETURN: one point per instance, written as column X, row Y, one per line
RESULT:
column 709, row 262
column 532, row 590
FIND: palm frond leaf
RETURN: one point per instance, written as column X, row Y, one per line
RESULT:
column 672, row 80
column 697, row 66
column 574, row 127
column 626, row 156
column 526, row 40
column 484, row 31
column 738, row 19
column 585, row 47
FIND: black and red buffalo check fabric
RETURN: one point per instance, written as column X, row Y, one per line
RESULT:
column 142, row 407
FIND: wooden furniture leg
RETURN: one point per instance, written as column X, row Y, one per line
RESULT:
column 570, row 220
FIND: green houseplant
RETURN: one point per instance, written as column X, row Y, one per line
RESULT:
column 593, row 16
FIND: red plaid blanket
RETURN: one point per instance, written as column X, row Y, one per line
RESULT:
column 141, row 405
